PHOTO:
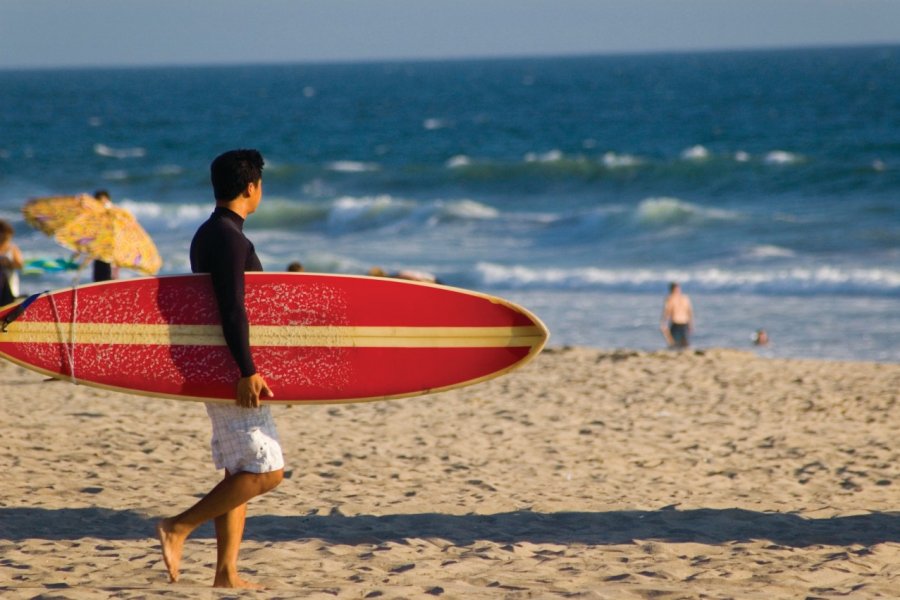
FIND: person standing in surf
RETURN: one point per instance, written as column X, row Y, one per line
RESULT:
column 677, row 318
column 244, row 439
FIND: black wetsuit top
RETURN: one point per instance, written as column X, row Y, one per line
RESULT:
column 221, row 249
column 6, row 295
column 102, row 271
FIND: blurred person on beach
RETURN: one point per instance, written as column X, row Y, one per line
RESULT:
column 677, row 321
column 760, row 338
column 407, row 274
column 244, row 439
column 10, row 263
column 103, row 271
column 295, row 267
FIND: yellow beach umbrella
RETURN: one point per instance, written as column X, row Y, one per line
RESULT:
column 96, row 229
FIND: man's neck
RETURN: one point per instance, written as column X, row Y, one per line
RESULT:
column 237, row 206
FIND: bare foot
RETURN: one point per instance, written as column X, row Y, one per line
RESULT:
column 237, row 582
column 172, row 546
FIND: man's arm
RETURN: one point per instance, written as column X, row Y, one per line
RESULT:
column 664, row 322
column 228, row 285
column 690, row 314
column 227, row 276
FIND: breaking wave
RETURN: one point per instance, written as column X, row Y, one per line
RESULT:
column 788, row 281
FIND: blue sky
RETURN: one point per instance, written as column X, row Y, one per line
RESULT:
column 49, row 33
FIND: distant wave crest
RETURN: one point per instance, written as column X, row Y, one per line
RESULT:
column 827, row 279
column 697, row 158
column 697, row 152
column 364, row 213
column 110, row 152
column 351, row 166
column 666, row 211
column 781, row 157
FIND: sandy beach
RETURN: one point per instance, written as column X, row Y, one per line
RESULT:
column 587, row 474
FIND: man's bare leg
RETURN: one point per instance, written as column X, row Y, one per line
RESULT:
column 172, row 546
column 232, row 492
column 229, row 533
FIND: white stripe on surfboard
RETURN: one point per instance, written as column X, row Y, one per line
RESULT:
column 269, row 335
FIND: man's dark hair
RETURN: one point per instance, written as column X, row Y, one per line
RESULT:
column 232, row 171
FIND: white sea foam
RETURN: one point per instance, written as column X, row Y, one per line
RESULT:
column 517, row 276
column 353, row 213
column 612, row 160
column 781, row 157
column 350, row 213
column 340, row 215
column 158, row 217
column 741, row 156
column 104, row 150
column 142, row 209
column 770, row 251
column 435, row 123
column 666, row 210
column 544, row 157
column 468, row 209
column 351, row 166
column 192, row 212
column 460, row 160
column 697, row 152
column 799, row 280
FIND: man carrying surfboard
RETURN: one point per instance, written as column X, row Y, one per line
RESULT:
column 244, row 439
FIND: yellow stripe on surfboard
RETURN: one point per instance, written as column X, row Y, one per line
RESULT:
column 269, row 335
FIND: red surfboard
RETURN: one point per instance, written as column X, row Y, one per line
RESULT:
column 315, row 338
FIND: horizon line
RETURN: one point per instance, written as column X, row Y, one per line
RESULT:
column 458, row 59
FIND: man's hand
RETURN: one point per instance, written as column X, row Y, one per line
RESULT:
column 250, row 389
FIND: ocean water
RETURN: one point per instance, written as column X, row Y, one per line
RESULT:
column 767, row 183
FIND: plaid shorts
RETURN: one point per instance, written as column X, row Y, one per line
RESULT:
column 244, row 439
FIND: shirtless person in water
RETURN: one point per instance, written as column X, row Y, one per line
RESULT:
column 677, row 318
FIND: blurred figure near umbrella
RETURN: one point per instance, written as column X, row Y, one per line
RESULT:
column 295, row 267
column 10, row 263
column 104, row 271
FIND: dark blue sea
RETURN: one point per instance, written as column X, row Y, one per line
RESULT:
column 767, row 183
